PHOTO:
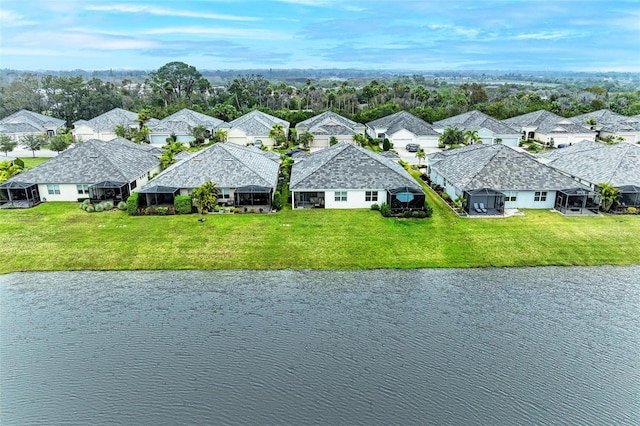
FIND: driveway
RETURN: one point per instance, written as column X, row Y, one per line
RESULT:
column 410, row 157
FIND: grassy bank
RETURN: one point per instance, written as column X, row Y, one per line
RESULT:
column 59, row 236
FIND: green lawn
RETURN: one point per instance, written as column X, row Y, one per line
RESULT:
column 30, row 162
column 59, row 236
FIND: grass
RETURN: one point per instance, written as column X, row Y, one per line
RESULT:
column 30, row 162
column 59, row 236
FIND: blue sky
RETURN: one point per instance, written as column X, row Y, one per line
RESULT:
column 586, row 35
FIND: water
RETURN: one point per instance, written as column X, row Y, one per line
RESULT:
column 452, row 347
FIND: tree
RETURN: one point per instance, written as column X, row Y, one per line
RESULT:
column 205, row 197
column 277, row 134
column 305, row 139
column 421, row 155
column 33, row 142
column 359, row 139
column 7, row 144
column 386, row 144
column 333, row 140
column 8, row 170
column 60, row 142
column 608, row 195
column 199, row 133
column 221, row 135
column 225, row 112
column 471, row 136
column 451, row 136
column 169, row 151
column 498, row 140
column 175, row 81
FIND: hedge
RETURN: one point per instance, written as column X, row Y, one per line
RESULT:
column 182, row 204
column 132, row 204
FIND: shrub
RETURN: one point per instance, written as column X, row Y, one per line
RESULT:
column 277, row 200
column 407, row 213
column 99, row 207
column 90, row 208
column 385, row 210
column 428, row 210
column 82, row 206
column 632, row 210
column 108, row 205
column 162, row 211
column 182, row 204
column 445, row 196
column 386, row 145
column 122, row 206
column 375, row 207
column 419, row 214
column 84, row 200
column 132, row 204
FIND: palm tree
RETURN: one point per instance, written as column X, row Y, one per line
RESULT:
column 421, row 155
column 471, row 136
column 221, row 135
column 608, row 195
column 205, row 197
column 451, row 136
column 277, row 134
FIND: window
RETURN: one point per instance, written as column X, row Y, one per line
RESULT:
column 224, row 194
column 133, row 184
column 83, row 189
column 540, row 196
column 510, row 196
column 53, row 189
column 371, row 196
column 341, row 196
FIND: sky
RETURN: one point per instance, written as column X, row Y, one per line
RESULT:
column 518, row 35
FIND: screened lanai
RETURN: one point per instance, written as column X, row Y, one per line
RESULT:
column 405, row 198
column 577, row 201
column 158, row 196
column 19, row 195
column 253, row 197
column 484, row 201
column 109, row 191
column 629, row 196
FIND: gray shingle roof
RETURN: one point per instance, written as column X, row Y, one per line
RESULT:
column 547, row 122
column 476, row 120
column 596, row 163
column 439, row 155
column 610, row 121
column 404, row 121
column 258, row 123
column 329, row 123
column 183, row 121
column 93, row 161
column 501, row 168
column 226, row 164
column 25, row 121
column 108, row 121
column 348, row 166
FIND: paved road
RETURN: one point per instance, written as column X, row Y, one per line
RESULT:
column 21, row 153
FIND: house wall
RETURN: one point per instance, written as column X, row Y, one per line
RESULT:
column 566, row 138
column 355, row 199
column 68, row 192
column 160, row 139
column 525, row 200
column 85, row 133
column 630, row 137
column 508, row 140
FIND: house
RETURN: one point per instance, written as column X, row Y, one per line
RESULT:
column 403, row 128
column 103, row 127
column 548, row 128
column 346, row 176
column 94, row 169
column 254, row 128
column 611, row 124
column 180, row 125
column 593, row 163
column 499, row 177
column 489, row 129
column 245, row 176
column 327, row 125
column 23, row 123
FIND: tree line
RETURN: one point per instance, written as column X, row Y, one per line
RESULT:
column 177, row 85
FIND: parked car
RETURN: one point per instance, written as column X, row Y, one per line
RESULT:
column 413, row 147
column 562, row 145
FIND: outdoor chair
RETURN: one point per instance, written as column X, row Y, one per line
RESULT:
column 476, row 208
column 482, row 209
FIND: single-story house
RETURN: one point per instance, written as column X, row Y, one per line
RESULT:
column 593, row 163
column 103, row 127
column 548, row 127
column 180, row 124
column 499, row 177
column 327, row 125
column 245, row 176
column 253, row 128
column 346, row 176
column 403, row 128
column 609, row 123
column 489, row 129
column 23, row 123
column 100, row 170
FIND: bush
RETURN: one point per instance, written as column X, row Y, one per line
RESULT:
column 385, row 210
column 90, row 208
column 182, row 204
column 386, row 145
column 98, row 208
column 84, row 200
column 419, row 214
column 407, row 213
column 132, row 204
column 632, row 210
column 108, row 205
column 82, row 206
column 428, row 210
column 375, row 207
column 162, row 211
column 122, row 206
column 277, row 200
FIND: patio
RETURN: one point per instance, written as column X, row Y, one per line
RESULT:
column 309, row 200
column 158, row 196
column 484, row 202
column 253, row 198
column 629, row 196
column 109, row 191
column 577, row 202
column 21, row 195
column 405, row 198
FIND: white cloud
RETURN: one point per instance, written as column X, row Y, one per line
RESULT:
column 541, row 36
column 249, row 33
column 152, row 10
column 9, row 18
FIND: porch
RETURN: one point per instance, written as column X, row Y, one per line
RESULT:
column 577, row 202
column 405, row 198
column 309, row 200
column 18, row 195
column 629, row 197
column 109, row 191
column 484, row 202
column 157, row 196
column 253, row 199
